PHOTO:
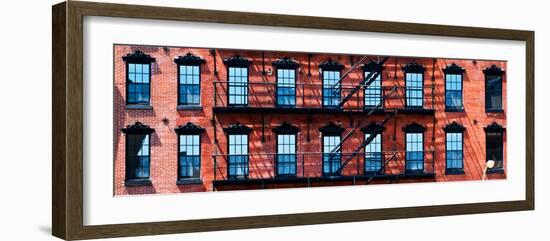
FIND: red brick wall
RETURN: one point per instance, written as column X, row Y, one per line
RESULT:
column 164, row 143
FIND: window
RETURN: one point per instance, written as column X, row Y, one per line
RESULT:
column 493, row 89
column 373, row 92
column 495, row 146
column 414, row 85
column 138, row 76
column 331, row 160
column 373, row 154
column 189, row 153
column 331, row 88
column 189, row 85
column 237, row 77
column 286, row 149
column 189, row 156
column 286, row 154
column 286, row 87
column 454, row 155
column 137, row 156
column 238, row 156
column 331, row 156
column 414, row 150
column 137, row 153
column 189, row 79
column 453, row 87
column 138, row 88
column 238, row 86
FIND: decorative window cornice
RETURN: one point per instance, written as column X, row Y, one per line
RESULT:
column 372, row 66
column 331, row 129
column 373, row 128
column 494, row 127
column 236, row 61
column 189, row 128
column 286, row 128
column 138, row 128
column 331, row 65
column 189, row 59
column 237, row 128
column 454, row 127
column 493, row 70
column 413, row 68
column 453, row 69
column 414, row 128
column 286, row 63
column 138, row 56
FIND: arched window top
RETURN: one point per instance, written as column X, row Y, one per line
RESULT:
column 414, row 128
column 137, row 128
column 413, row 68
column 453, row 69
column 493, row 70
column 286, row 128
column 331, row 129
column 454, row 127
column 494, row 127
column 286, row 63
column 237, row 128
column 189, row 59
column 373, row 128
column 189, row 128
column 372, row 66
column 330, row 64
column 138, row 56
column 237, row 61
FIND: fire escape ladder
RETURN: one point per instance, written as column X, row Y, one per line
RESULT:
column 371, row 77
column 350, row 133
column 364, row 143
column 353, row 67
column 392, row 157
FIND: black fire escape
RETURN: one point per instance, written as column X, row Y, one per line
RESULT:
column 350, row 103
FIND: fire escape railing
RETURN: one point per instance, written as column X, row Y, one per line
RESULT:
column 392, row 163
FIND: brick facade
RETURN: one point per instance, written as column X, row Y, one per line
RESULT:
column 261, row 117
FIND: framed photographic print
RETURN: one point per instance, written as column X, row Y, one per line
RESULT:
column 170, row 120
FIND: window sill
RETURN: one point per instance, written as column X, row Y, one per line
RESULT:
column 188, row 181
column 454, row 109
column 139, row 107
column 189, row 107
column 494, row 111
column 454, row 171
column 137, row 182
column 495, row 170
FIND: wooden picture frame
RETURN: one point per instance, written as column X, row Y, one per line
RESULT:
column 67, row 123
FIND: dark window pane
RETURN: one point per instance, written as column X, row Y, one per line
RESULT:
column 137, row 156
column 493, row 92
column 494, row 147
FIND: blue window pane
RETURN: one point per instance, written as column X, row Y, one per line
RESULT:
column 189, row 156
column 238, row 86
column 414, row 155
column 373, row 92
column 189, row 85
column 286, row 154
column 331, row 160
column 373, row 154
column 286, row 87
column 238, row 156
column 137, row 84
column 332, row 89
column 454, row 153
column 453, row 91
column 414, row 89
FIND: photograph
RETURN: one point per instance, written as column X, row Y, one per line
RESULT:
column 189, row 119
